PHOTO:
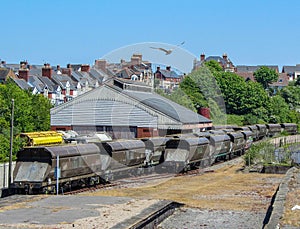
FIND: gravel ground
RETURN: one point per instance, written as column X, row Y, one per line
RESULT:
column 211, row 219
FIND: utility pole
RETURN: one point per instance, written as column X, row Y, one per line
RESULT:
column 11, row 142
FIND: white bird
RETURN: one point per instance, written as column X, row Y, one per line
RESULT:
column 167, row 51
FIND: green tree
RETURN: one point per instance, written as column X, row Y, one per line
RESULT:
column 241, row 97
column 297, row 83
column 31, row 113
column 213, row 66
column 193, row 91
column 265, row 76
column 279, row 109
column 291, row 95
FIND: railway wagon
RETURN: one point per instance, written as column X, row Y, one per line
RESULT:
column 219, row 147
column 273, row 129
column 238, row 143
column 35, row 166
column 42, row 138
column 186, row 152
column 254, row 130
column 248, row 136
column 126, row 156
column 261, row 131
column 154, row 150
column 290, row 128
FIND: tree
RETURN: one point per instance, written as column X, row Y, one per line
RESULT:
column 178, row 96
column 279, row 111
column 297, row 83
column 291, row 95
column 31, row 113
column 265, row 76
column 202, row 88
column 213, row 66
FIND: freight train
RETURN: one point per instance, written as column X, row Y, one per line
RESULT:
column 90, row 163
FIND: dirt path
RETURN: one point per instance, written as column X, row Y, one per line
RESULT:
column 226, row 188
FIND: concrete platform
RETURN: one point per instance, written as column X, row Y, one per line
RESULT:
column 79, row 212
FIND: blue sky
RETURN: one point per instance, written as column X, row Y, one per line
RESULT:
column 61, row 31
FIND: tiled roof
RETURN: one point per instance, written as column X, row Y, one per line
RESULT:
column 216, row 58
column 63, row 79
column 245, row 68
column 290, row 69
column 246, row 75
column 3, row 73
column 169, row 74
column 34, row 81
column 22, row 84
column 283, row 80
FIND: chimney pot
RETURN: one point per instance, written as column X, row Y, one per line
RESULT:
column 202, row 57
column 24, row 74
column 85, row 67
column 47, row 71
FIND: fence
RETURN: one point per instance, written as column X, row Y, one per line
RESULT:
column 281, row 141
column 4, row 174
column 293, row 150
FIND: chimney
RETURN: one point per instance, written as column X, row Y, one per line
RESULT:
column 168, row 68
column 24, row 74
column 85, row 67
column 68, row 70
column 101, row 64
column 202, row 57
column 225, row 56
column 47, row 71
column 138, row 55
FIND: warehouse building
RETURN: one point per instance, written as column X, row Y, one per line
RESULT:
column 126, row 109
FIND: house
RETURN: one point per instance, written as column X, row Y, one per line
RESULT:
column 292, row 71
column 283, row 81
column 223, row 60
column 135, row 69
column 168, row 78
column 252, row 69
column 247, row 71
column 5, row 74
column 125, row 109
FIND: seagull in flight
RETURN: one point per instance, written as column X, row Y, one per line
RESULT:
column 167, row 51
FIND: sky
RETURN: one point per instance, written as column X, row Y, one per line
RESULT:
column 257, row 32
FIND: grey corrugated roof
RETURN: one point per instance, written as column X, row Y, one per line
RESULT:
column 167, row 107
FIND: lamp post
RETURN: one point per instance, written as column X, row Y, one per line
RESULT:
column 11, row 142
